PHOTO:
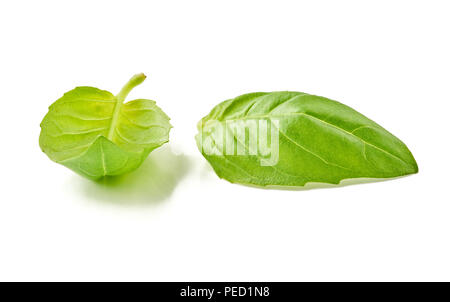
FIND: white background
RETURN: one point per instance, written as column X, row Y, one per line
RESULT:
column 174, row 219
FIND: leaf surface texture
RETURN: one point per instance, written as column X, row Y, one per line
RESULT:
column 319, row 140
column 94, row 133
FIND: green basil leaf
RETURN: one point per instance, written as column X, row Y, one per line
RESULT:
column 292, row 138
column 95, row 134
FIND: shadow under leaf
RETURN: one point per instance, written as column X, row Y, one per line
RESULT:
column 153, row 182
column 318, row 185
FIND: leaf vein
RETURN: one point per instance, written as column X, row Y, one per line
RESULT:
column 307, row 150
column 102, row 155
column 318, row 119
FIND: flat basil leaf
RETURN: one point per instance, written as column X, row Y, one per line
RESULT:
column 292, row 138
column 95, row 134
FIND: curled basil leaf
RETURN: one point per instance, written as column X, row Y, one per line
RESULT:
column 292, row 138
column 95, row 133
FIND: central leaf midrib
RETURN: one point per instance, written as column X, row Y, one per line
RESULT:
column 318, row 119
column 114, row 119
